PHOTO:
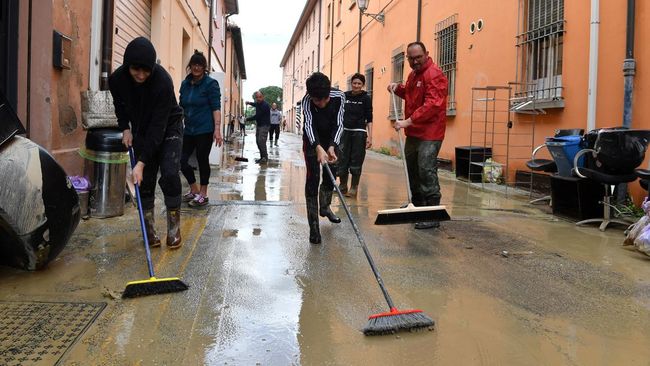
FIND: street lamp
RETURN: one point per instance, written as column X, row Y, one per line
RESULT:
column 363, row 6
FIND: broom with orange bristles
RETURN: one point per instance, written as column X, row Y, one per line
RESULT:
column 394, row 320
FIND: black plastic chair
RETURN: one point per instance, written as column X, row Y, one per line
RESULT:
column 548, row 165
column 614, row 154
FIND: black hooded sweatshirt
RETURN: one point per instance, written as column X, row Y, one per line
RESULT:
column 358, row 111
column 150, row 107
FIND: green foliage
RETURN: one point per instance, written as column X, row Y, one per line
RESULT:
column 383, row 150
column 628, row 209
column 272, row 94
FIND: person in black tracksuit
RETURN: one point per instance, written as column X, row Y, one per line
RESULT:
column 357, row 134
column 151, row 121
column 323, row 109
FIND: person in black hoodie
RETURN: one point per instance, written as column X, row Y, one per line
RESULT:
column 323, row 109
column 151, row 121
column 357, row 135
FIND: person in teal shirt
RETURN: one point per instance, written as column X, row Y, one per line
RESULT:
column 200, row 98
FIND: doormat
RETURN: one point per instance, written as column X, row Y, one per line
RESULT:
column 40, row 333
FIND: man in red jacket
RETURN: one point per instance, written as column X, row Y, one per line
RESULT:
column 425, row 94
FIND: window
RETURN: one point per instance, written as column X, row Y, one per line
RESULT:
column 370, row 74
column 348, row 83
column 329, row 18
column 313, row 23
column 338, row 13
column 446, row 37
column 540, row 54
column 397, row 77
column 312, row 61
column 307, row 28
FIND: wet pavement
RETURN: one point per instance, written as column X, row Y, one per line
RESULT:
column 261, row 294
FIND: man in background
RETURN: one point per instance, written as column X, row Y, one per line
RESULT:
column 262, row 118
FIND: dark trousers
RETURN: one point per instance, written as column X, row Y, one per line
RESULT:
column 202, row 144
column 274, row 129
column 242, row 128
column 167, row 160
column 261, row 134
column 314, row 171
column 422, row 163
column 353, row 152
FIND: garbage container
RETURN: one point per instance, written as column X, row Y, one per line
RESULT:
column 564, row 149
column 105, row 167
column 81, row 185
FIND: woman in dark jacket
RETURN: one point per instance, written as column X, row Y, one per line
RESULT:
column 200, row 98
column 357, row 135
column 151, row 120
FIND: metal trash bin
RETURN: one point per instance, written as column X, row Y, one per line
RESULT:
column 105, row 167
column 81, row 185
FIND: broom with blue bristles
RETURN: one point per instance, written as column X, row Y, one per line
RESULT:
column 394, row 320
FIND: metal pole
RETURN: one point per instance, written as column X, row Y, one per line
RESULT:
column 629, row 66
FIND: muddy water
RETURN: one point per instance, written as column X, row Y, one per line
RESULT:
column 261, row 294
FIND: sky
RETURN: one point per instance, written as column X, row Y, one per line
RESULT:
column 266, row 28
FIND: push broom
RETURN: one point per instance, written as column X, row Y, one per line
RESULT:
column 242, row 158
column 153, row 285
column 409, row 214
column 394, row 320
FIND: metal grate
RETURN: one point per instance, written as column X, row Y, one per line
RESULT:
column 540, row 52
column 446, row 45
column 397, row 77
column 40, row 333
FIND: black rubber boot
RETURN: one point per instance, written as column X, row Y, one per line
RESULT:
column 325, row 198
column 429, row 224
column 174, row 228
column 343, row 183
column 354, row 186
column 152, row 236
column 312, row 218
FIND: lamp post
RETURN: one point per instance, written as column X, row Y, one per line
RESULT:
column 363, row 6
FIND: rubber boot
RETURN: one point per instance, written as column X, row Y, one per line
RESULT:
column 343, row 183
column 312, row 218
column 154, row 240
column 174, row 228
column 354, row 186
column 429, row 224
column 325, row 198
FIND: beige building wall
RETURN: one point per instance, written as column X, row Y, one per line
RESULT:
column 301, row 59
column 176, row 33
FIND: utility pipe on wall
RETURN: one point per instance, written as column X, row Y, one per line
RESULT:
column 629, row 65
column 107, row 42
column 593, row 65
column 95, row 45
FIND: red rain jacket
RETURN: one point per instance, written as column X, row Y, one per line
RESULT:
column 426, row 102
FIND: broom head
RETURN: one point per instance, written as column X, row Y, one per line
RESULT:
column 153, row 286
column 411, row 215
column 395, row 321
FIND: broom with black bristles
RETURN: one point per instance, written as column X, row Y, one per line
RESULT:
column 153, row 285
column 395, row 320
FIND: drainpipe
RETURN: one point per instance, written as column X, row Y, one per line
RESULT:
column 417, row 36
column 332, row 44
column 359, row 50
column 593, row 65
column 211, row 35
column 95, row 45
column 107, row 43
column 28, row 112
column 629, row 66
column 320, row 17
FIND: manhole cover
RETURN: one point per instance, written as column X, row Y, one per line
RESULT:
column 39, row 333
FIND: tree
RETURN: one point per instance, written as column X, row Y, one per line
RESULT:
column 272, row 94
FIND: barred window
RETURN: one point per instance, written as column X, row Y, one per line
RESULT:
column 446, row 44
column 540, row 54
column 370, row 74
column 397, row 77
